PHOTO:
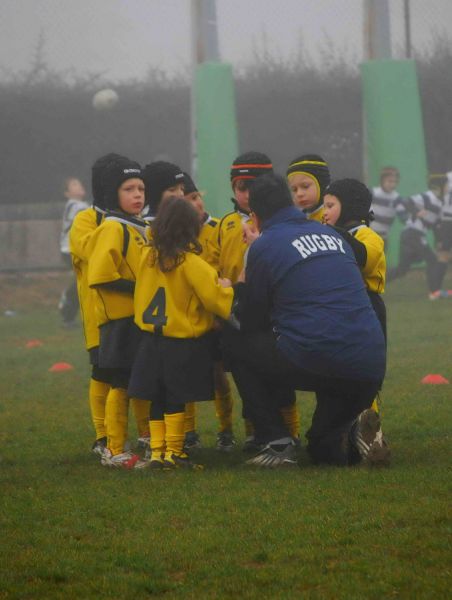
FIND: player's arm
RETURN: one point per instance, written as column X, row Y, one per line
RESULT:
column 83, row 227
column 374, row 248
column 204, row 281
column 105, row 259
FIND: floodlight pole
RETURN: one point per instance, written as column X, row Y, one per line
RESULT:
column 377, row 30
column 407, row 19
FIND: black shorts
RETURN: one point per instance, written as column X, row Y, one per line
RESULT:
column 97, row 373
column 181, row 369
column 443, row 236
column 119, row 341
column 217, row 354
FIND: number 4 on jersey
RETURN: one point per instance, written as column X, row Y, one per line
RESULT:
column 155, row 312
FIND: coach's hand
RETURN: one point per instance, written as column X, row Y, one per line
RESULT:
column 250, row 233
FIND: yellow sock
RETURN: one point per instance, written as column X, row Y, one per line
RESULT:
column 291, row 419
column 141, row 410
column 375, row 404
column 190, row 417
column 174, row 435
column 157, row 429
column 223, row 409
column 98, row 391
column 249, row 428
column 116, row 419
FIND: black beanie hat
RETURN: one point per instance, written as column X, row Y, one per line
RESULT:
column 158, row 177
column 250, row 165
column 316, row 167
column 355, row 199
column 189, row 185
column 117, row 171
column 97, row 171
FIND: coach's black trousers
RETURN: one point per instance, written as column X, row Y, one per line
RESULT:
column 262, row 373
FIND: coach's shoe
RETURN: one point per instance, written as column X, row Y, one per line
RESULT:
column 125, row 460
column 225, row 441
column 275, row 456
column 99, row 446
column 297, row 442
column 367, row 437
column 192, row 441
column 179, row 461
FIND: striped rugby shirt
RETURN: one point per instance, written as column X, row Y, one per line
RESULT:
column 386, row 206
column 424, row 212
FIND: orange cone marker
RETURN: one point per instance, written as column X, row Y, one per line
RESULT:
column 434, row 379
column 60, row 366
column 33, row 344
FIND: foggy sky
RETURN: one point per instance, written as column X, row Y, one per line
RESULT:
column 123, row 38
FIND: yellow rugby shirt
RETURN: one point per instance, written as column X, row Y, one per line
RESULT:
column 115, row 254
column 83, row 226
column 374, row 271
column 181, row 303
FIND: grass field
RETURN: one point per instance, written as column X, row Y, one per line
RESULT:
column 73, row 529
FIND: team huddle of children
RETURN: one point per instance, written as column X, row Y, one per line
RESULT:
column 155, row 276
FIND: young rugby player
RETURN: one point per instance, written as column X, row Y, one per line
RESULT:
column 177, row 295
column 85, row 223
column 163, row 180
column 115, row 249
column 208, row 239
column 83, row 226
column 74, row 193
column 232, row 247
column 308, row 176
column 347, row 205
column 386, row 202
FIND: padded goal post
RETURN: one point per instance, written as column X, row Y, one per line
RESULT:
column 216, row 134
column 393, row 130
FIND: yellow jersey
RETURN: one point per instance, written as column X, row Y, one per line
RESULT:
column 82, row 228
column 115, row 250
column 374, row 271
column 317, row 214
column 231, row 245
column 208, row 238
column 181, row 303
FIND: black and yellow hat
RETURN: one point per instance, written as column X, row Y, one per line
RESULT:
column 313, row 166
column 250, row 165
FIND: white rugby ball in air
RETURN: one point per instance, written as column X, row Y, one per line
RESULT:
column 105, row 99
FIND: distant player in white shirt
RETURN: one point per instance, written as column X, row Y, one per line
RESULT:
column 386, row 202
column 75, row 195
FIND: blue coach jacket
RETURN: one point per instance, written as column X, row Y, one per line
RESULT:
column 304, row 276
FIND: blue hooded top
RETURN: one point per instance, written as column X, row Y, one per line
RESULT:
column 304, row 277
